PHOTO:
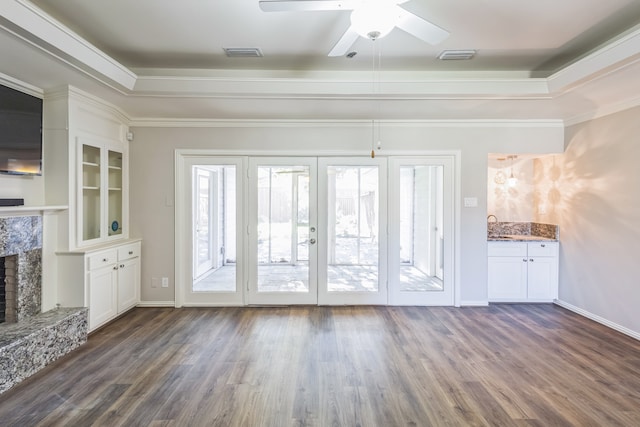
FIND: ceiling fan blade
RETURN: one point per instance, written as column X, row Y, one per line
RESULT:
column 418, row 27
column 306, row 5
column 345, row 42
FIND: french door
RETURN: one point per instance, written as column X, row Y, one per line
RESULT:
column 317, row 233
column 321, row 230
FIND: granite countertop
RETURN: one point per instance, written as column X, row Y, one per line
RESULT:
column 520, row 238
column 522, row 232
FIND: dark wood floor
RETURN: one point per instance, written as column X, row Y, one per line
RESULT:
column 503, row 365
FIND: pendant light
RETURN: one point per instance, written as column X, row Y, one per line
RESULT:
column 500, row 178
column 512, row 181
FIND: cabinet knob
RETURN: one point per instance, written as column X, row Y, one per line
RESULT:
column 524, row 260
column 105, row 259
column 542, row 245
column 122, row 265
column 115, row 267
column 130, row 252
column 530, row 259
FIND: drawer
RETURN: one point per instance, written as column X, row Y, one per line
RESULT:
column 102, row 259
column 543, row 248
column 129, row 251
column 507, row 249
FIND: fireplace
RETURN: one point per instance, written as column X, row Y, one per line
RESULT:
column 8, row 294
column 29, row 338
column 21, row 254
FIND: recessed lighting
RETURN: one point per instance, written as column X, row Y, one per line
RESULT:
column 447, row 55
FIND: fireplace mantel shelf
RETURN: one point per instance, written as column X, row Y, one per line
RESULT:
column 29, row 210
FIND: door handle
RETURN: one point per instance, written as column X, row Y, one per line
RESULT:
column 312, row 241
column 312, row 229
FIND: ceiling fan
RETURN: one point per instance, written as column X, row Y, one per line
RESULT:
column 371, row 19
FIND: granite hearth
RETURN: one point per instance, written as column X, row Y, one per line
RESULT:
column 32, row 339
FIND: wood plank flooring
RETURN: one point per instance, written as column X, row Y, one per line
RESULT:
column 503, row 365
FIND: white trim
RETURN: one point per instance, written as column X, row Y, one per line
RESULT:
column 483, row 303
column 44, row 31
column 603, row 112
column 29, row 210
column 599, row 319
column 156, row 304
column 280, row 123
column 16, row 84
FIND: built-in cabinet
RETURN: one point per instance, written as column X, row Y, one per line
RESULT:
column 106, row 279
column 86, row 167
column 523, row 271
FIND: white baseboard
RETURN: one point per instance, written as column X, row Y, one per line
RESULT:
column 156, row 304
column 596, row 318
column 474, row 303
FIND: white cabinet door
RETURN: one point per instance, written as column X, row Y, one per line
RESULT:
column 128, row 283
column 542, row 278
column 507, row 278
column 102, row 295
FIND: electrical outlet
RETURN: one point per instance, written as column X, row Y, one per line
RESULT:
column 165, row 282
column 155, row 282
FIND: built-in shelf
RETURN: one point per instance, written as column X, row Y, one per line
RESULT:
column 90, row 188
column 30, row 210
column 93, row 165
column 115, row 189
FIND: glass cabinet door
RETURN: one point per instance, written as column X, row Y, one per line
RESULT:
column 91, row 189
column 101, row 192
column 114, row 201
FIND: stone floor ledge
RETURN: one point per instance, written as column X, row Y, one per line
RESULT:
column 31, row 344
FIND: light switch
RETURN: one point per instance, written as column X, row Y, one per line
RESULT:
column 470, row 202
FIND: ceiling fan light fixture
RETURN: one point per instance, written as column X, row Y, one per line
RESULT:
column 374, row 20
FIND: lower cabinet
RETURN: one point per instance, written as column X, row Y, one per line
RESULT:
column 105, row 279
column 523, row 271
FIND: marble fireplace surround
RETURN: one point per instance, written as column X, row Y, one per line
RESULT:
column 22, row 237
column 37, row 338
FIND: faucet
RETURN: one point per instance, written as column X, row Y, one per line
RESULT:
column 495, row 218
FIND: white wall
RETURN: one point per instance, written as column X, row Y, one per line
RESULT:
column 152, row 176
column 29, row 188
column 592, row 192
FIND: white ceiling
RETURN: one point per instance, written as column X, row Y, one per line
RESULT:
column 163, row 59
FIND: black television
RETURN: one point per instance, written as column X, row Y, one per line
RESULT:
column 20, row 133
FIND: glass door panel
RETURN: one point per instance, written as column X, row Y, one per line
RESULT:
column 203, row 220
column 215, row 228
column 215, row 225
column 282, row 240
column 114, row 219
column 353, row 268
column 91, row 192
column 417, row 229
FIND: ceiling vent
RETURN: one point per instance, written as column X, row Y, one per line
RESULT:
column 243, row 52
column 447, row 55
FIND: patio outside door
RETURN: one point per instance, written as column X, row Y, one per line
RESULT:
column 282, row 231
column 317, row 233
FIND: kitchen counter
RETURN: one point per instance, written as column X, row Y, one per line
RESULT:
column 522, row 232
column 520, row 238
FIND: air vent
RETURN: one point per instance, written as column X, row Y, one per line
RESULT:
column 243, row 52
column 447, row 55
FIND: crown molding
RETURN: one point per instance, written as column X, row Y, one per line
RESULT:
column 279, row 123
column 39, row 28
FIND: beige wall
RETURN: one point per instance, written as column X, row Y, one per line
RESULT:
column 152, row 177
column 592, row 192
column 511, row 204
